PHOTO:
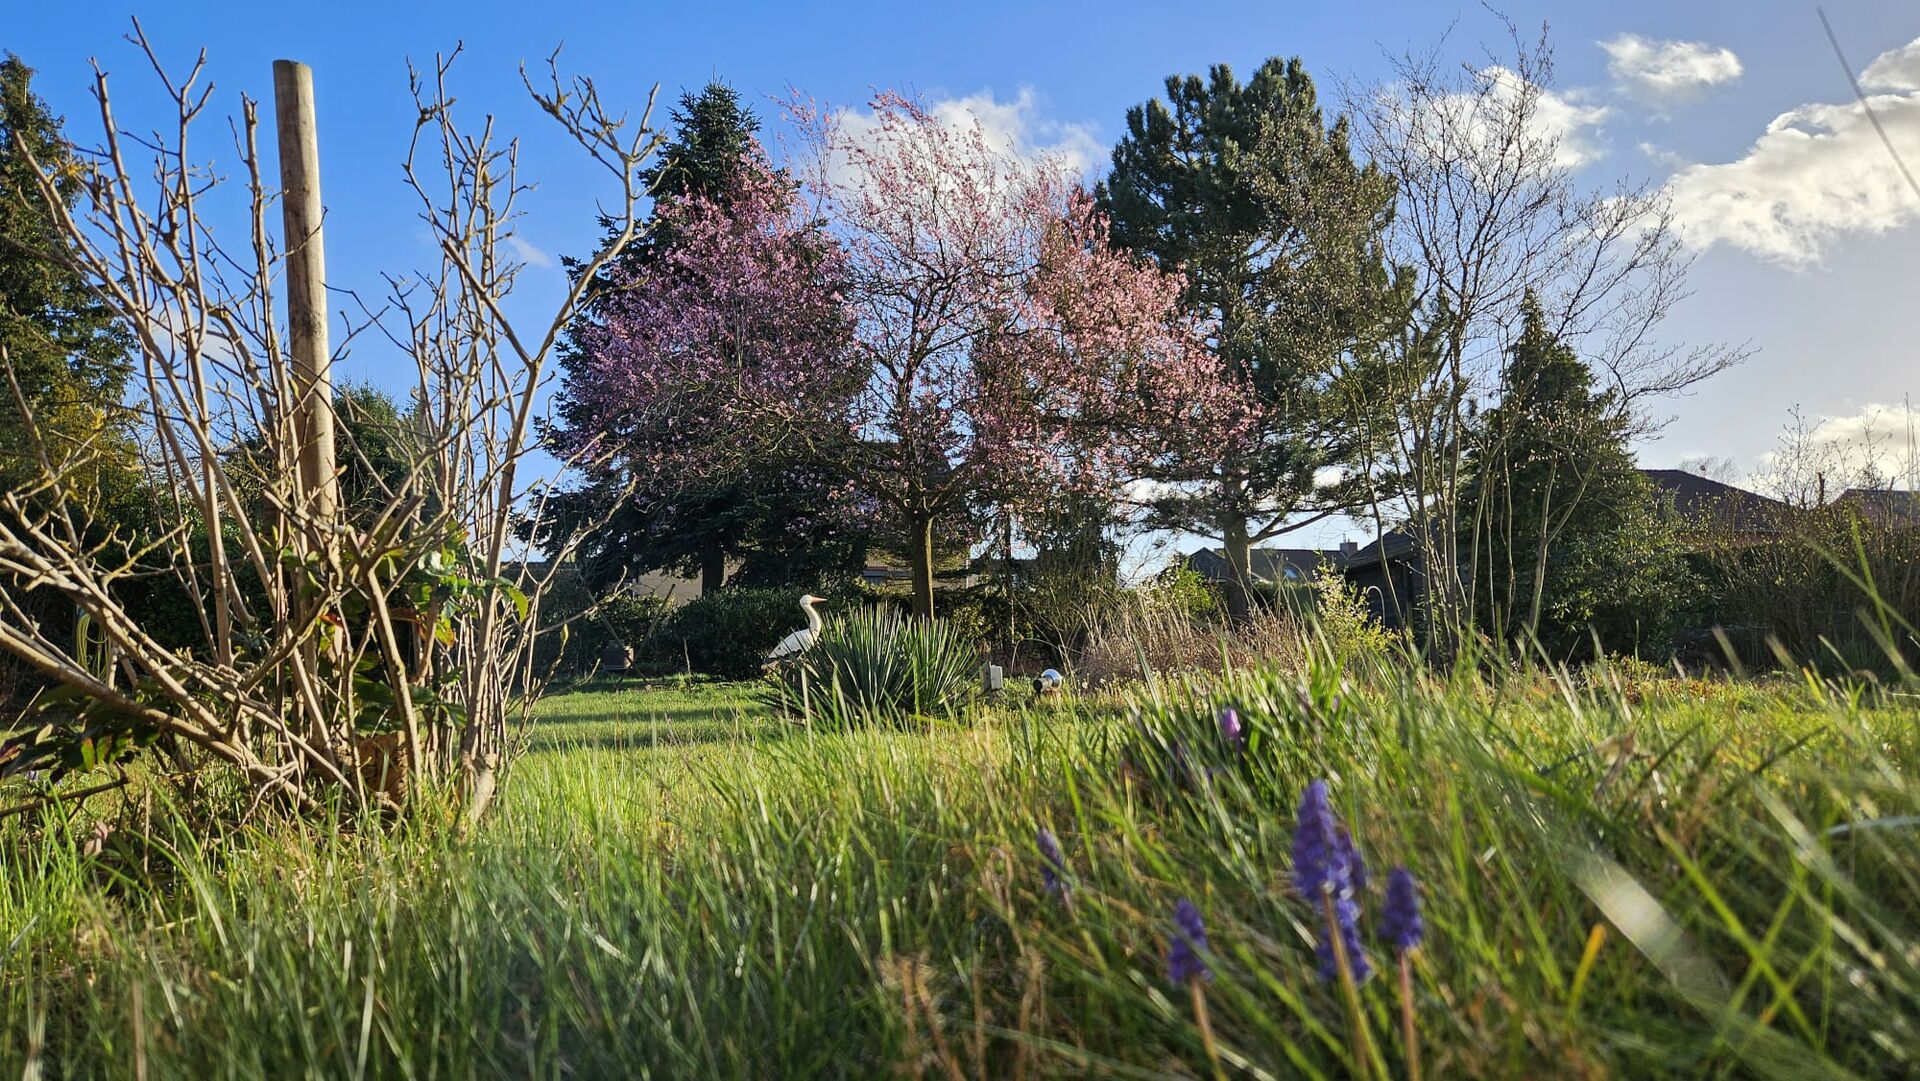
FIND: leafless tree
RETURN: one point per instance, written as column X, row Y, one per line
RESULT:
column 372, row 657
column 1490, row 209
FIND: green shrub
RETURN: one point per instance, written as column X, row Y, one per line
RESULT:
column 1830, row 588
column 1345, row 624
column 876, row 665
column 634, row 621
column 975, row 616
column 1181, row 588
column 728, row 634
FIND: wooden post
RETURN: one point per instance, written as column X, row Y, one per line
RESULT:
column 311, row 529
column 301, row 219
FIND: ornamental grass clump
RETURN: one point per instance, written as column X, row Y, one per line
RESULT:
column 878, row 666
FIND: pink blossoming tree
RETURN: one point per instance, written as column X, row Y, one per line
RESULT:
column 728, row 349
column 1007, row 352
column 736, row 333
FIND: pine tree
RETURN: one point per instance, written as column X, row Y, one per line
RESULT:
column 67, row 350
column 713, row 132
column 1565, row 537
column 69, row 356
column 1247, row 192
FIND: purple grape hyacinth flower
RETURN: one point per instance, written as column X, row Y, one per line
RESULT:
column 1324, row 868
column 1318, row 865
column 1230, row 729
column 1346, row 915
column 1053, row 866
column 1400, row 921
column 1356, row 867
column 1183, row 948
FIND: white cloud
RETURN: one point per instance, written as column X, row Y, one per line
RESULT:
column 1667, row 71
column 1818, row 173
column 527, row 253
column 1477, row 119
column 1017, row 127
column 1564, row 117
column 1896, row 69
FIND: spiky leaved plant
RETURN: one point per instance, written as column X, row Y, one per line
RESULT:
column 876, row 665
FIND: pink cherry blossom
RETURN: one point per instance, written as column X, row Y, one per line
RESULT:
column 1009, row 352
column 733, row 336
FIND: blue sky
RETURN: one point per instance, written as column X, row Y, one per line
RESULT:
column 1815, row 269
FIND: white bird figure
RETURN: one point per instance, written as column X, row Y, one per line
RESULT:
column 801, row 640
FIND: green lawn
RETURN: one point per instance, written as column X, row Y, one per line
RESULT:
column 626, row 716
column 675, row 883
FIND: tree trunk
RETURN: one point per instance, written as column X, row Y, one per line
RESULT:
column 1239, row 548
column 713, row 569
column 920, row 560
column 1540, row 559
column 1008, row 569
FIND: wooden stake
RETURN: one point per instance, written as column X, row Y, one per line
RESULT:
column 312, row 528
column 302, row 219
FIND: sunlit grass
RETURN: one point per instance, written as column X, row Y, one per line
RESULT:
column 677, row 883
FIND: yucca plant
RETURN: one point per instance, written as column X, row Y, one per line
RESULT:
column 877, row 666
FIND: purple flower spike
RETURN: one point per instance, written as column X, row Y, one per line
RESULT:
column 1053, row 866
column 1230, row 729
column 1183, row 949
column 1325, row 866
column 1400, row 921
column 1318, row 865
column 1346, row 914
column 1356, row 867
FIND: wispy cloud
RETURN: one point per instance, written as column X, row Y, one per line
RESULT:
column 1818, row 173
column 527, row 253
column 1665, row 72
column 1018, row 127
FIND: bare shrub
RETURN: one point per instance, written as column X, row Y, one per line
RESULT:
column 1152, row 632
column 370, row 654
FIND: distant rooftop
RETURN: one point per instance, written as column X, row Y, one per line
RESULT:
column 1697, row 498
column 1266, row 564
column 1884, row 503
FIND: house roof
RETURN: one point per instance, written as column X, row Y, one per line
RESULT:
column 1394, row 543
column 1698, row 498
column 1265, row 564
column 1889, row 503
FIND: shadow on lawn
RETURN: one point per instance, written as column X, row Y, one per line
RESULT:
column 641, row 716
column 641, row 735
